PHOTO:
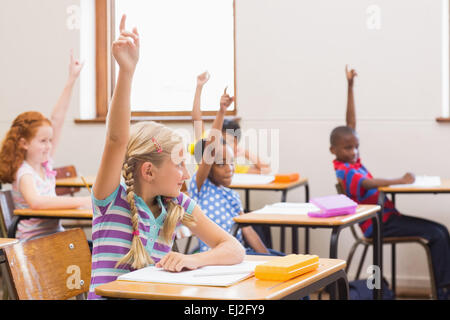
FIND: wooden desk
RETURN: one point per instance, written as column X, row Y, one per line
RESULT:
column 4, row 242
column 337, row 223
column 443, row 188
column 284, row 188
column 75, row 182
column 329, row 271
column 47, row 214
column 55, row 213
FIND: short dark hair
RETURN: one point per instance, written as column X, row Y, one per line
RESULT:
column 338, row 132
column 199, row 149
column 232, row 127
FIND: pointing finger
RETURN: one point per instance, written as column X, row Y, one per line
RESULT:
column 122, row 22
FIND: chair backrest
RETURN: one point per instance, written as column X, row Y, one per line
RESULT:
column 66, row 172
column 339, row 188
column 7, row 211
column 54, row 267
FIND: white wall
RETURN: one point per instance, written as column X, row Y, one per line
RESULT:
column 290, row 76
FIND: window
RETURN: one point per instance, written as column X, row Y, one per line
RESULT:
column 445, row 61
column 179, row 40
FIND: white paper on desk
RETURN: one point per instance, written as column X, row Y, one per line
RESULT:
column 247, row 178
column 421, row 182
column 288, row 208
column 194, row 277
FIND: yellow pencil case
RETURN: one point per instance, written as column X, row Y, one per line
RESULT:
column 287, row 267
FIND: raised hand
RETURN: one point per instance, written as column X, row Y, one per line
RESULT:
column 203, row 78
column 75, row 67
column 225, row 100
column 126, row 48
column 350, row 75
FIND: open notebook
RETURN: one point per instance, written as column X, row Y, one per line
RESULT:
column 288, row 208
column 246, row 179
column 421, row 182
column 219, row 276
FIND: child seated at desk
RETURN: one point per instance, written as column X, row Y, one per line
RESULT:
column 26, row 162
column 231, row 132
column 359, row 184
column 209, row 185
column 135, row 222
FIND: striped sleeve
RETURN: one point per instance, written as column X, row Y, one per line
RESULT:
column 353, row 183
column 186, row 202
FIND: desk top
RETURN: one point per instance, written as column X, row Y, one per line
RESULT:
column 55, row 213
column 248, row 289
column 4, row 242
column 444, row 187
column 75, row 181
column 272, row 185
column 304, row 219
column 78, row 182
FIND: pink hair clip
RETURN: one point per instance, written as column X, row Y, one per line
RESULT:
column 136, row 233
column 157, row 145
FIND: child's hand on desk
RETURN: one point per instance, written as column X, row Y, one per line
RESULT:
column 225, row 100
column 126, row 48
column 408, row 178
column 202, row 79
column 350, row 75
column 175, row 261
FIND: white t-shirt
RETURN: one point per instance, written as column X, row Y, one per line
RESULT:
column 35, row 227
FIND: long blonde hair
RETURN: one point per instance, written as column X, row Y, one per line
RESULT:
column 141, row 149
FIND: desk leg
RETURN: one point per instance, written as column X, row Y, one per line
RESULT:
column 333, row 288
column 282, row 231
column 339, row 278
column 247, row 200
column 377, row 254
column 342, row 284
column 234, row 229
column 306, row 229
column 381, row 198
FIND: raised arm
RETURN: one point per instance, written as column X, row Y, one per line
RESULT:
column 126, row 52
column 259, row 166
column 216, row 133
column 196, row 111
column 60, row 109
column 350, row 116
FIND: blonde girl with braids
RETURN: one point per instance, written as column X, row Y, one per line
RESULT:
column 135, row 219
column 26, row 162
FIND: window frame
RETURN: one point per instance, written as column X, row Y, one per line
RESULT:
column 105, row 74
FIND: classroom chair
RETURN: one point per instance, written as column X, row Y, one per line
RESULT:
column 8, row 222
column 393, row 241
column 69, row 172
column 66, row 172
column 183, row 234
column 54, row 267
